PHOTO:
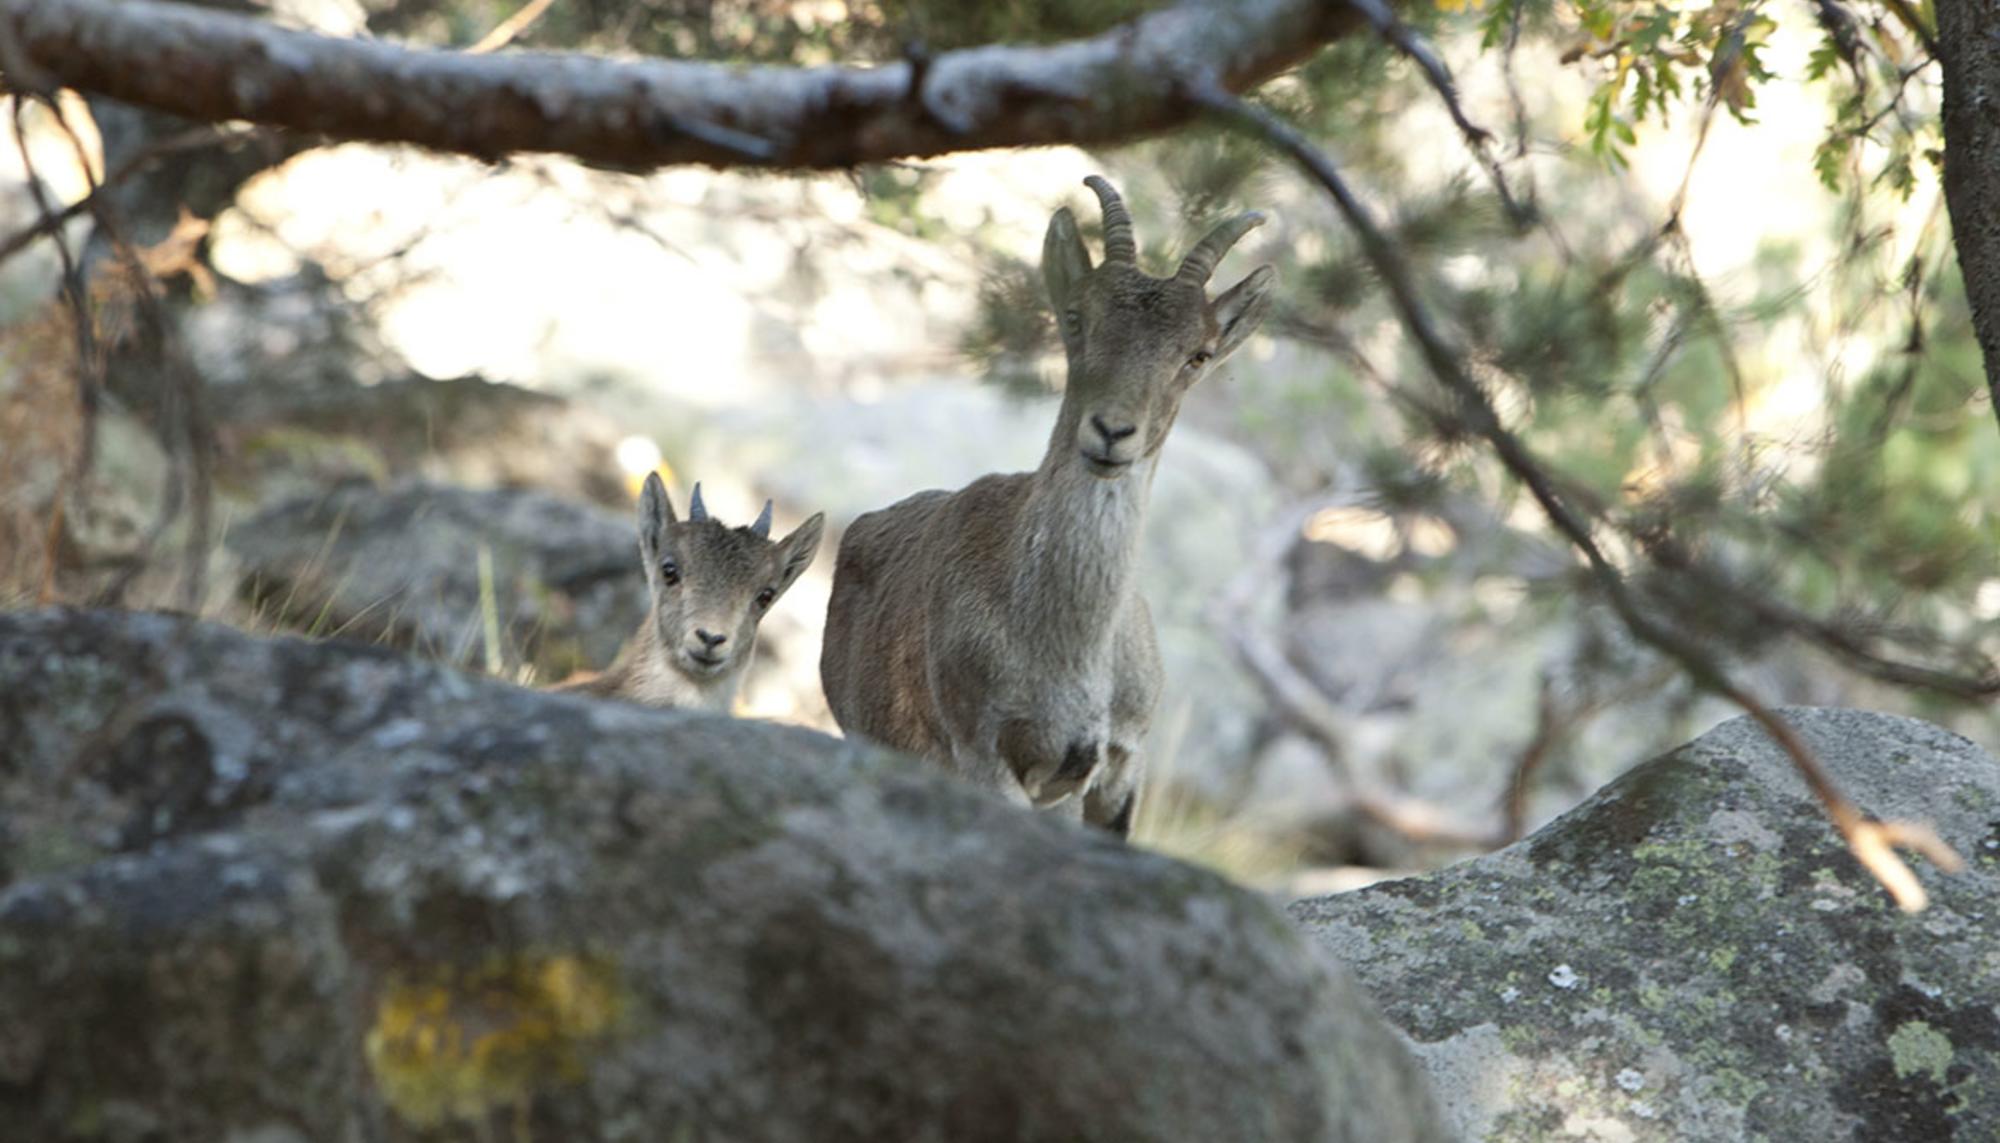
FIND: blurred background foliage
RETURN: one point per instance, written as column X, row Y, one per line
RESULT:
column 1793, row 457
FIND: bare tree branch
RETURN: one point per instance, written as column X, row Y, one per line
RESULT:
column 1873, row 843
column 1305, row 708
column 192, row 139
column 89, row 360
column 210, row 66
column 186, row 429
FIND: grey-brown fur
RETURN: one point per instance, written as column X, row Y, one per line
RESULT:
column 710, row 586
column 999, row 629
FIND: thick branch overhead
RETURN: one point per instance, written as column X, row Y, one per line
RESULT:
column 211, row 66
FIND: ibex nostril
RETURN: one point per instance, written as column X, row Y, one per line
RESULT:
column 710, row 641
column 1111, row 435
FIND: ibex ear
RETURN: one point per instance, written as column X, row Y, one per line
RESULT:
column 655, row 513
column 1064, row 260
column 796, row 551
column 1241, row 309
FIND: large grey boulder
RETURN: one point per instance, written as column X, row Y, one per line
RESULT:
column 1691, row 954
column 289, row 435
column 413, row 566
column 277, row 890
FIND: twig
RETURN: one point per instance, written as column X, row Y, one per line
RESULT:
column 1705, row 309
column 1838, row 23
column 504, row 33
column 1709, row 107
column 184, row 386
column 89, row 361
column 1300, row 702
column 1979, row 681
column 1552, row 725
column 1399, row 36
column 191, row 139
column 664, row 126
column 1514, row 100
column 1914, row 342
column 1915, row 23
column 1548, row 731
column 1873, row 843
column 1835, row 638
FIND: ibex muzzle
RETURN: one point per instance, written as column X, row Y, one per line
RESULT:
column 998, row 630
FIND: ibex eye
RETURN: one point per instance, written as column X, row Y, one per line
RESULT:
column 767, row 597
column 670, row 572
column 1072, row 322
column 1199, row 358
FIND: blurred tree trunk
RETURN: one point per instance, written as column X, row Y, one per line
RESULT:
column 1968, row 45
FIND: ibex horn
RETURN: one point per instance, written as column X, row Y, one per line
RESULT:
column 1118, row 243
column 695, row 509
column 1200, row 261
column 763, row 525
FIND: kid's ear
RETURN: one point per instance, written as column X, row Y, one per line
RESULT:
column 796, row 551
column 655, row 513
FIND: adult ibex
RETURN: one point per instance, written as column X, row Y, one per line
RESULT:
column 710, row 585
column 999, row 629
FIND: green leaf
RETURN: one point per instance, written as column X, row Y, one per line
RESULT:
column 1830, row 159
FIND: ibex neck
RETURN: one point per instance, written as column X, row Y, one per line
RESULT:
column 1076, row 550
column 647, row 675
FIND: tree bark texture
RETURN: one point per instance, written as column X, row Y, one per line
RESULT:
column 1969, row 48
column 638, row 114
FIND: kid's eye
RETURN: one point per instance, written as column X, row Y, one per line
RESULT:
column 767, row 597
column 670, row 572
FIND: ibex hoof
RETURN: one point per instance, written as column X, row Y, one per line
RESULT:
column 1078, row 763
column 1048, row 785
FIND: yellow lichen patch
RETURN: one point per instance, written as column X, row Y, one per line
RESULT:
column 462, row 1043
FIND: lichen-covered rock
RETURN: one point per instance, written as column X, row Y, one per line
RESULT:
column 277, row 890
column 412, row 566
column 1692, row 954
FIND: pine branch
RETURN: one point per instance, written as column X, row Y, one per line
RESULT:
column 1873, row 843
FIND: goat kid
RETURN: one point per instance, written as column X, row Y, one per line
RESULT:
column 711, row 586
column 998, row 629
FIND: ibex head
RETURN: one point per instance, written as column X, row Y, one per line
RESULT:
column 1136, row 343
column 712, row 584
